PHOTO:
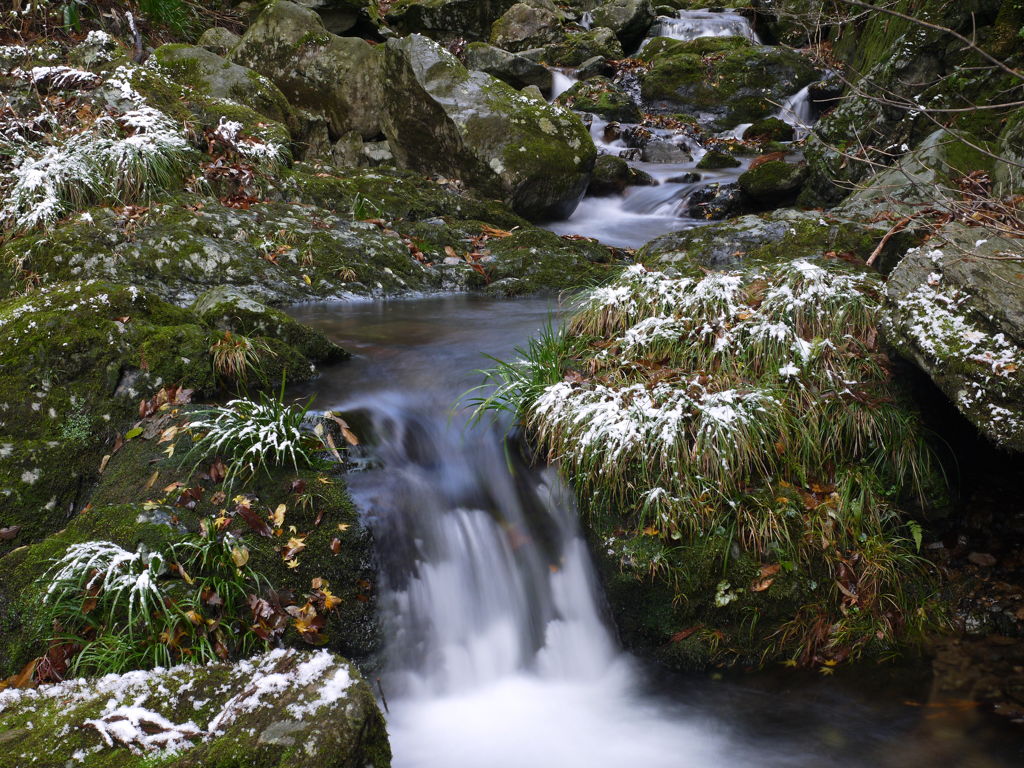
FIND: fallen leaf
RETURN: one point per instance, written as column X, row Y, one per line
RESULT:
column 240, row 556
column 103, row 463
column 984, row 559
column 21, row 680
column 277, row 518
column 152, row 480
column 6, row 534
column 678, row 637
column 253, row 520
column 336, row 546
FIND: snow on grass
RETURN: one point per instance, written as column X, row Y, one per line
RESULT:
column 119, row 156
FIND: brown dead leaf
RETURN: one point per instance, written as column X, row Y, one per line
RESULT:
column 678, row 637
column 6, row 534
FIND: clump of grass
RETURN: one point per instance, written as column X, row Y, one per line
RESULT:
column 741, row 423
column 127, row 610
column 235, row 357
column 119, row 158
column 255, row 436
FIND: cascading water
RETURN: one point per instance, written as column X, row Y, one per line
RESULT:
column 690, row 25
column 798, row 112
column 498, row 651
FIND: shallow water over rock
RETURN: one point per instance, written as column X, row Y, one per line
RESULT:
column 500, row 652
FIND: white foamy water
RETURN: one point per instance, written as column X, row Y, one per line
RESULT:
column 798, row 111
column 690, row 25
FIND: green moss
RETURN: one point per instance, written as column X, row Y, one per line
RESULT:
column 714, row 159
column 601, row 97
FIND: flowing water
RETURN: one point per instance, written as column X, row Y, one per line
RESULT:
column 642, row 213
column 499, row 651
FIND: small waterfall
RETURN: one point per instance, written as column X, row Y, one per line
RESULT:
column 587, row 20
column 690, row 25
column 798, row 112
column 561, row 81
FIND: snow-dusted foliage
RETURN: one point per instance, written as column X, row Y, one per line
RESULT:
column 739, row 423
column 253, row 436
column 119, row 155
column 128, row 578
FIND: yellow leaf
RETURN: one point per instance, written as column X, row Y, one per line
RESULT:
column 343, row 527
column 194, row 617
column 296, row 544
column 152, row 480
column 240, row 555
column 278, row 517
column 330, row 601
column 308, row 279
column 650, row 530
column 170, row 450
column 293, row 563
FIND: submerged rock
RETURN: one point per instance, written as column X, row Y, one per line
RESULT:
column 283, row 709
column 612, row 175
column 536, row 157
column 955, row 307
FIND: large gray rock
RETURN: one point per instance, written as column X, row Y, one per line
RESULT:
column 442, row 118
column 629, row 19
column 955, row 307
column 526, row 26
column 922, row 177
column 518, row 71
column 578, row 47
column 601, row 97
column 445, row 19
column 334, row 78
column 339, row 15
column 283, row 708
column 214, row 75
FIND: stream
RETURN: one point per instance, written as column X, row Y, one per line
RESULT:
column 642, row 213
column 499, row 651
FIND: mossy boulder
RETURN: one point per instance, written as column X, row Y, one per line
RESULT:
column 955, row 307
column 446, row 19
column 922, row 176
column 600, row 96
column 76, row 360
column 715, row 159
column 525, row 26
column 578, row 47
column 628, row 19
column 740, row 84
column 277, row 710
column 208, row 73
column 773, row 183
column 277, row 252
column 219, row 40
column 228, row 309
column 769, row 129
column 337, row 79
column 536, row 157
column 612, row 175
column 759, row 241
column 517, row 71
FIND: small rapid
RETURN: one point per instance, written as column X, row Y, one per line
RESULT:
column 641, row 213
